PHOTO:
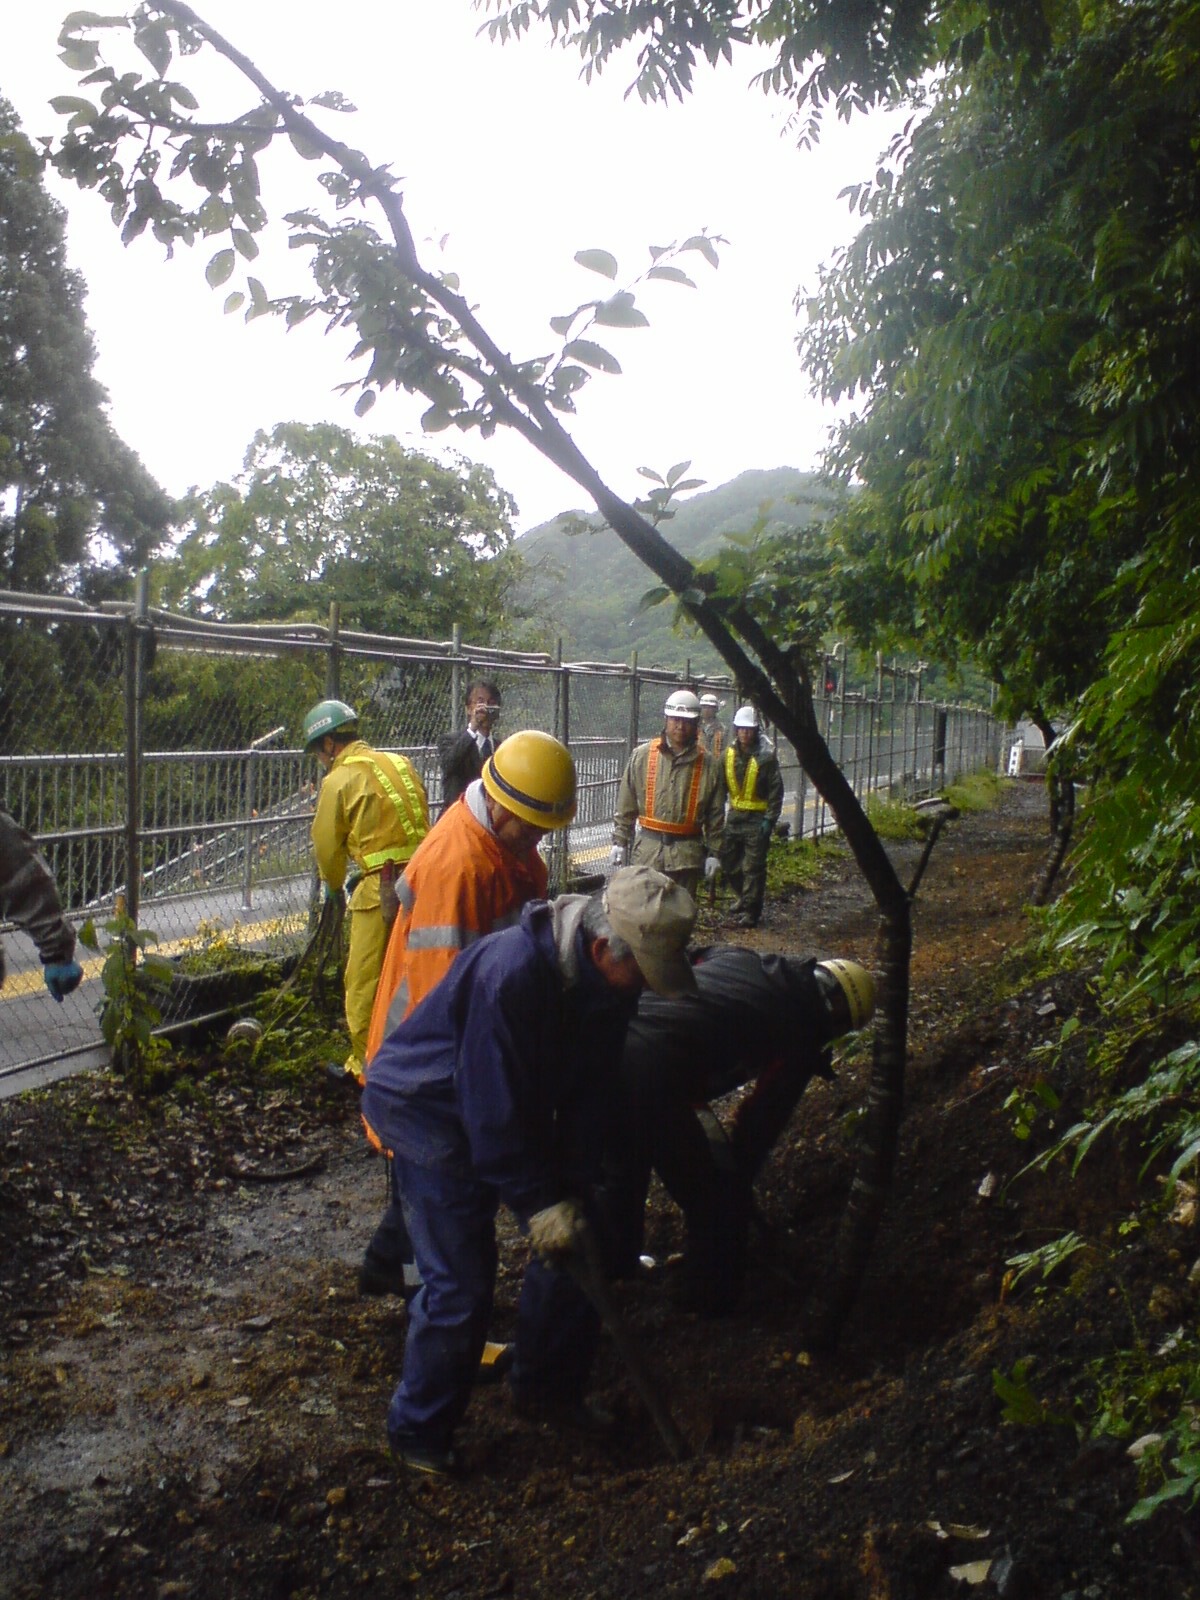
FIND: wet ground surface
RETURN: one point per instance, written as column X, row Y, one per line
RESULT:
column 192, row 1396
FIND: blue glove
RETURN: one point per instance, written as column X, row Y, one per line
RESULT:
column 62, row 977
column 768, row 827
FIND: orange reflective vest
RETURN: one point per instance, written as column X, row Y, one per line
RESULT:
column 688, row 828
column 460, row 885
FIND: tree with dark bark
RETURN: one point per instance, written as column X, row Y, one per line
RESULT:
column 418, row 332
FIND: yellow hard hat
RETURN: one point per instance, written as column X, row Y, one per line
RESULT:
column 858, row 986
column 532, row 775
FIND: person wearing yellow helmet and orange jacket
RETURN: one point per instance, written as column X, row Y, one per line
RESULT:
column 371, row 816
column 473, row 874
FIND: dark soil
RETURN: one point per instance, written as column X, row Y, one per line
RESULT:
column 193, row 1396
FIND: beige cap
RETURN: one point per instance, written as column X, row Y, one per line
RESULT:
column 654, row 915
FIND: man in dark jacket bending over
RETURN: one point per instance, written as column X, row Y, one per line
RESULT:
column 496, row 1089
column 767, row 1017
column 29, row 897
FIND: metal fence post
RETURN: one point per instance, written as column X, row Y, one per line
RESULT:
column 333, row 665
column 562, row 727
column 635, row 707
column 135, row 693
column 841, row 656
column 456, row 673
column 252, row 829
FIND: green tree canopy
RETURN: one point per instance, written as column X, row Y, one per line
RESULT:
column 854, row 53
column 76, row 505
column 404, row 543
column 1015, row 323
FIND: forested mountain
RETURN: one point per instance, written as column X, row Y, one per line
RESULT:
column 588, row 585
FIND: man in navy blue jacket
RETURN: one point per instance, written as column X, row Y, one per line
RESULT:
column 497, row 1089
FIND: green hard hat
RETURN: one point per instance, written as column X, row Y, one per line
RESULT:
column 324, row 717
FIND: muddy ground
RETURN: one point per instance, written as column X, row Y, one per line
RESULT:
column 192, row 1396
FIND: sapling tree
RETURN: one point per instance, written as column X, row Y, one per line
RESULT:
column 138, row 138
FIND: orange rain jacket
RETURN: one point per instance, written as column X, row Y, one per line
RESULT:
column 461, row 884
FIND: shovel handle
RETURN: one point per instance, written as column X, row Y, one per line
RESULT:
column 584, row 1267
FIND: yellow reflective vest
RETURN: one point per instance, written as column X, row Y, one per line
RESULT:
column 371, row 809
column 743, row 797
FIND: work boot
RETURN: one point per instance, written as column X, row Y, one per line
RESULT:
column 713, row 1270
column 436, row 1461
column 561, row 1414
column 377, row 1279
column 700, row 1288
column 746, row 919
column 495, row 1362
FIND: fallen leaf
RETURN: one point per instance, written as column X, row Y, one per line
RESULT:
column 721, row 1568
column 974, row 1572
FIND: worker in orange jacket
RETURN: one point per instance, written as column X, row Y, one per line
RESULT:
column 470, row 877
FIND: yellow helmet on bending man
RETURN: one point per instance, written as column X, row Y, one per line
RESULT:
column 532, row 774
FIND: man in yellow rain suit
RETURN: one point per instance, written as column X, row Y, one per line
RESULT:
column 371, row 811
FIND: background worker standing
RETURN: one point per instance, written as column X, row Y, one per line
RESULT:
column 29, row 897
column 674, row 794
column 755, row 786
column 712, row 734
column 471, row 876
column 463, row 754
column 371, row 810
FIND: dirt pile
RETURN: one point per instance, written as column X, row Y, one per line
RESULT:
column 193, row 1395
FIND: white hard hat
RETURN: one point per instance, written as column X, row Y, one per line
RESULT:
column 745, row 717
column 681, row 703
column 709, row 700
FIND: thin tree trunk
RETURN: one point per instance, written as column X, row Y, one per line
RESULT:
column 1064, row 813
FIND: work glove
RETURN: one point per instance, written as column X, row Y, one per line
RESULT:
column 62, row 977
column 711, row 867
column 617, row 857
column 558, row 1230
column 768, row 827
column 353, row 879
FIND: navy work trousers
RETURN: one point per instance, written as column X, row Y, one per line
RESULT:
column 450, row 1217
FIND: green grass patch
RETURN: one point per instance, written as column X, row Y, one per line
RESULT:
column 302, row 1032
column 977, row 791
column 894, row 819
column 799, row 863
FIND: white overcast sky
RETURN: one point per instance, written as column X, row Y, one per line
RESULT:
column 517, row 164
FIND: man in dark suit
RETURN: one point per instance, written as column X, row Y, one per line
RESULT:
column 462, row 754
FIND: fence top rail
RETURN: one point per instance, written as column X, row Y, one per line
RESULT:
column 53, row 608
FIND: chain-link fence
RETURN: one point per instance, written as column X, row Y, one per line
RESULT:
column 156, row 760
